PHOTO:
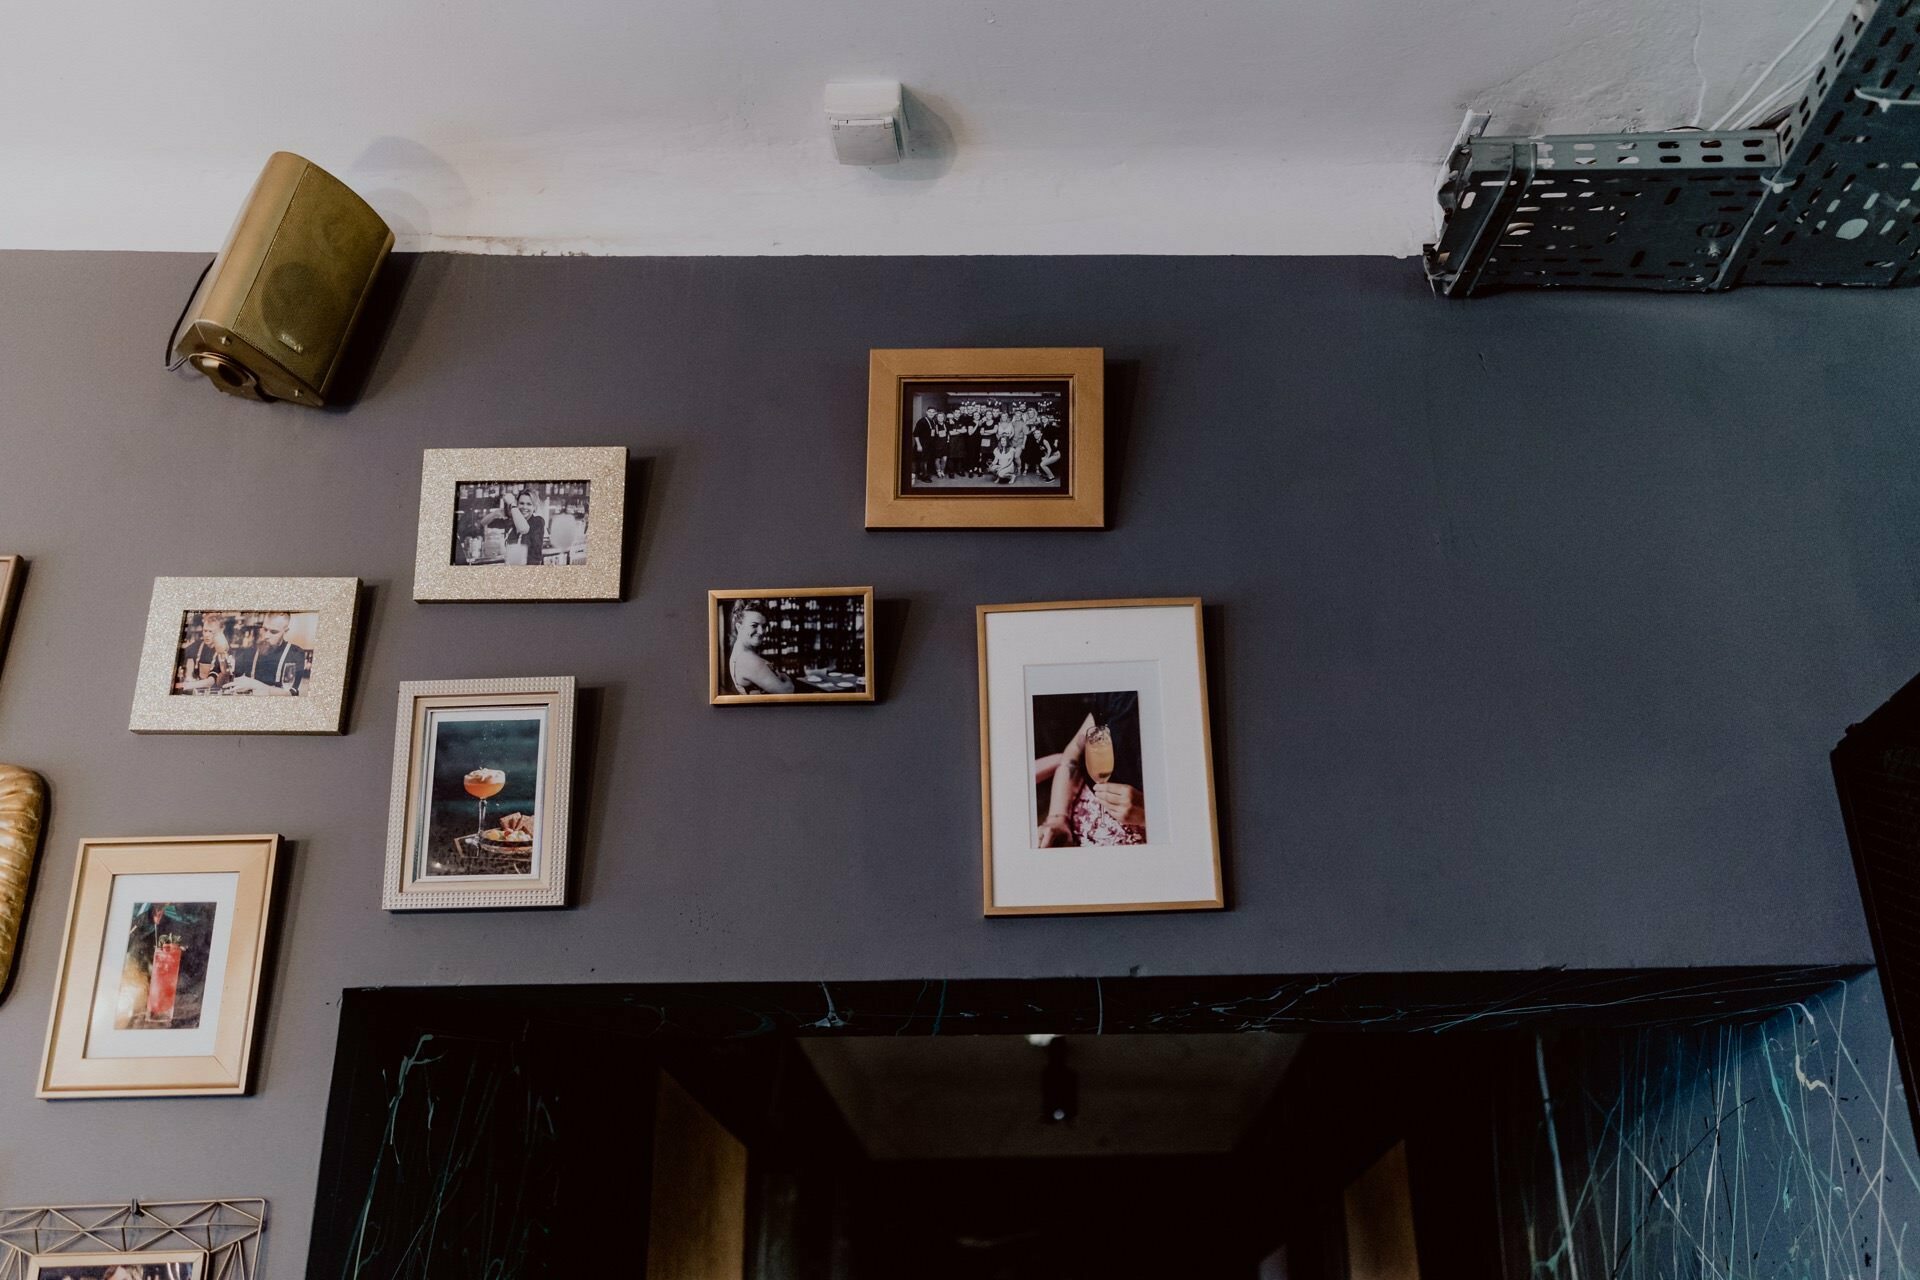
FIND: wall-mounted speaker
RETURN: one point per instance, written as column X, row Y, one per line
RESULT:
column 273, row 315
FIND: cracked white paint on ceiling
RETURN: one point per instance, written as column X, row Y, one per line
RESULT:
column 695, row 126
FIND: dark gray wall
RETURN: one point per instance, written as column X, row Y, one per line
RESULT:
column 1534, row 619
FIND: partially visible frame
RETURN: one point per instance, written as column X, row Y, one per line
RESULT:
column 437, row 577
column 13, row 571
column 1034, row 655
column 88, row 1051
column 832, row 685
column 147, row 1264
column 23, row 805
column 321, row 704
column 1079, row 502
column 410, row 882
column 213, row 1239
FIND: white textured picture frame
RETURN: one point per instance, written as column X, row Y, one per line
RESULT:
column 400, row 889
column 321, row 707
column 436, row 577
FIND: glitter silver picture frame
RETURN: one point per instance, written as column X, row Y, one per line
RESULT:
column 401, row 890
column 321, row 706
column 604, row 468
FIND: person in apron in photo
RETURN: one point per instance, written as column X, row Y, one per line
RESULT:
column 527, row 539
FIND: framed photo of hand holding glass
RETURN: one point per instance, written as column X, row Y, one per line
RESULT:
column 1096, row 759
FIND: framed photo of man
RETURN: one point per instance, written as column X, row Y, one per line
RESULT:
column 246, row 655
column 986, row 438
column 160, row 970
column 1096, row 760
column 520, row 524
column 482, row 789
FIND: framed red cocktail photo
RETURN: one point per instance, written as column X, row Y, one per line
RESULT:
column 160, row 976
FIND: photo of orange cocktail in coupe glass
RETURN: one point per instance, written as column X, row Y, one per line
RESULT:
column 482, row 785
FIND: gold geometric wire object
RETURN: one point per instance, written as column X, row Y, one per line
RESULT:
column 227, row 1231
column 23, row 803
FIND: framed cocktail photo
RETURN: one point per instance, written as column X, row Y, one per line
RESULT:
column 520, row 524
column 160, row 970
column 482, row 791
column 992, row 437
column 246, row 655
column 802, row 644
column 1096, row 759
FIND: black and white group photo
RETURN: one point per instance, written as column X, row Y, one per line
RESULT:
column 521, row 522
column 985, row 437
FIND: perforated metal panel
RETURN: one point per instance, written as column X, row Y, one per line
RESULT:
column 1845, row 208
column 1635, row 210
column 1830, row 196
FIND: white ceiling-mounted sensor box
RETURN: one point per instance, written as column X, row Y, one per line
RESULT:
column 868, row 121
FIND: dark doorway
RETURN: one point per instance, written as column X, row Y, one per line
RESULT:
column 1274, row 1128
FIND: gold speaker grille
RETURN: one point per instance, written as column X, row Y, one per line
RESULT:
column 322, row 257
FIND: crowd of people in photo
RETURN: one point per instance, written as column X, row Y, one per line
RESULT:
column 990, row 440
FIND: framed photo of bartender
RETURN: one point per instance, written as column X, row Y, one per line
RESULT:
column 520, row 524
column 245, row 655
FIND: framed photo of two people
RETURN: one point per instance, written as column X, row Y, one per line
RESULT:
column 1096, row 764
column 245, row 655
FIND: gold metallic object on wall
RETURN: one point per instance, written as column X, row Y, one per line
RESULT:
column 23, row 803
column 273, row 315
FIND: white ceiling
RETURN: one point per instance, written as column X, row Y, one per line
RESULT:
column 978, row 1097
column 695, row 126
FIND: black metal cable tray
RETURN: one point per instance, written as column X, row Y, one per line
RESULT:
column 1830, row 196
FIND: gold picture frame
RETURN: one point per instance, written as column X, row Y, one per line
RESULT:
column 97, row 1030
column 1073, row 652
column 409, row 887
column 900, row 495
column 320, row 706
column 810, row 684
column 587, row 567
column 13, row 571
